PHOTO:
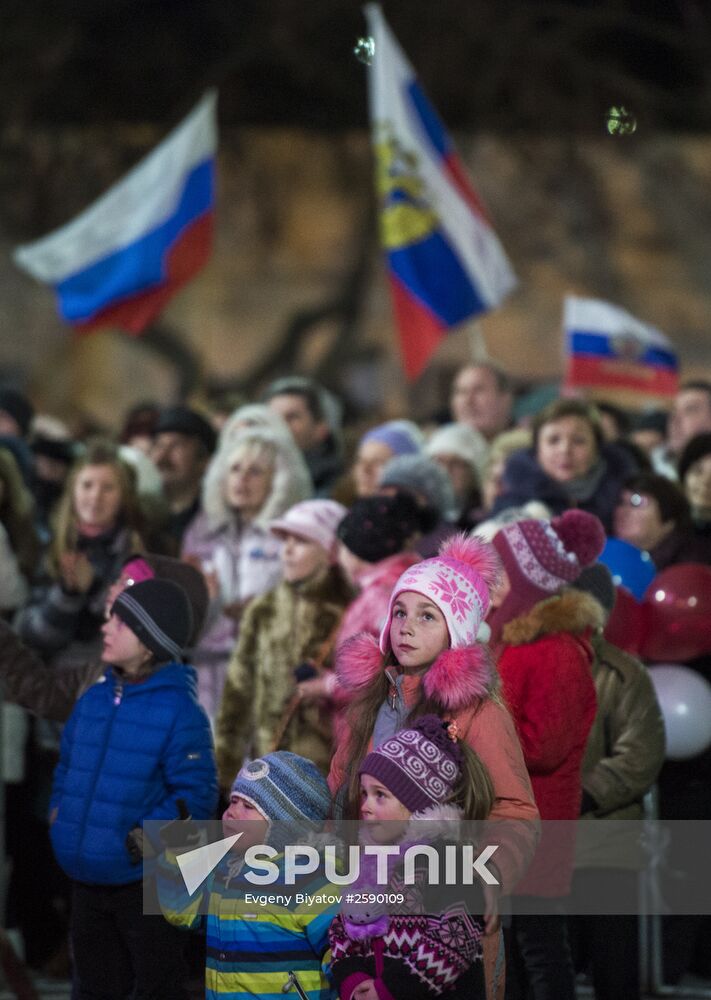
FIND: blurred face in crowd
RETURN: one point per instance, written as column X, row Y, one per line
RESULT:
column 697, row 485
column 181, row 460
column 97, row 496
column 566, row 448
column 351, row 564
column 301, row 558
column 371, row 457
column 493, row 483
column 249, row 482
column 501, row 591
column 647, row 439
column 294, row 410
column 478, row 401
column 9, row 426
column 460, row 472
column 637, row 520
column 690, row 415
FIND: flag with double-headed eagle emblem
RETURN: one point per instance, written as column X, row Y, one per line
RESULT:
column 608, row 348
column 445, row 261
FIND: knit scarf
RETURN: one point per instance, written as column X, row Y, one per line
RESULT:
column 581, row 489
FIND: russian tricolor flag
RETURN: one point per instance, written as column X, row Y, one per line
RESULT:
column 119, row 262
column 446, row 263
column 607, row 348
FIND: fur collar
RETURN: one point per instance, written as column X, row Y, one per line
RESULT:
column 456, row 679
column 570, row 611
column 434, row 823
column 441, row 821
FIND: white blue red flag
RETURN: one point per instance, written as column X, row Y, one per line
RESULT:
column 446, row 263
column 119, row 262
column 608, row 348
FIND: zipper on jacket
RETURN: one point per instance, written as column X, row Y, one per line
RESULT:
column 118, row 689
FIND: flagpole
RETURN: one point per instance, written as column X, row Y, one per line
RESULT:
column 477, row 343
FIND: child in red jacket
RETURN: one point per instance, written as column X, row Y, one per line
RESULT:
column 541, row 632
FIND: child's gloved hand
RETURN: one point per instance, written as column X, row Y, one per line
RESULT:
column 365, row 991
column 180, row 832
column 135, row 845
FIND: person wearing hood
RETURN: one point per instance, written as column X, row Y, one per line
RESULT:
column 135, row 743
column 541, row 634
column 568, row 465
column 250, row 481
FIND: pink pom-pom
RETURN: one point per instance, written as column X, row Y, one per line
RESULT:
column 581, row 533
column 480, row 556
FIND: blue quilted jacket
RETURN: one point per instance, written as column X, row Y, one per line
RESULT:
column 128, row 752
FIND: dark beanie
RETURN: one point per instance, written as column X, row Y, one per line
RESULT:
column 186, row 576
column 377, row 527
column 698, row 447
column 58, row 449
column 158, row 612
column 18, row 406
column 596, row 580
column 183, row 420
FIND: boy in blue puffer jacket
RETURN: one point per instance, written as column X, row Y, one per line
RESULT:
column 136, row 742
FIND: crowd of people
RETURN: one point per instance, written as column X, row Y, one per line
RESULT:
column 236, row 612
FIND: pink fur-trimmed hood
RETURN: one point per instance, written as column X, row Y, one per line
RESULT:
column 457, row 677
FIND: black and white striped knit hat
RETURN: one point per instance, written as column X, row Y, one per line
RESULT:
column 159, row 613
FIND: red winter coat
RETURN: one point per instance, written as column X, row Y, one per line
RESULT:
column 545, row 663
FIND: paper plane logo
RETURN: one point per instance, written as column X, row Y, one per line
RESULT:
column 195, row 866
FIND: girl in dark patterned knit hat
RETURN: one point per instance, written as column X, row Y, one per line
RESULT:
column 414, row 788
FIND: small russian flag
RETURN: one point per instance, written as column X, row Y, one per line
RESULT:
column 119, row 262
column 446, row 263
column 608, row 348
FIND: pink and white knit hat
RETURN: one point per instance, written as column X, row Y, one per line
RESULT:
column 315, row 520
column 458, row 581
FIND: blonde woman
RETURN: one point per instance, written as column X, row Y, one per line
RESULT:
column 98, row 524
column 250, row 482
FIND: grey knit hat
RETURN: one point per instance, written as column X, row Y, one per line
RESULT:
column 421, row 475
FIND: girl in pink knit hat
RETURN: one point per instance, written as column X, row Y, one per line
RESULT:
column 432, row 657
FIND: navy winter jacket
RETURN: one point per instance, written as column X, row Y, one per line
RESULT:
column 525, row 480
column 129, row 750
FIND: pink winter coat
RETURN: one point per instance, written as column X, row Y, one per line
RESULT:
column 460, row 679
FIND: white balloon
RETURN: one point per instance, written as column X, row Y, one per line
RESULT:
column 685, row 700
